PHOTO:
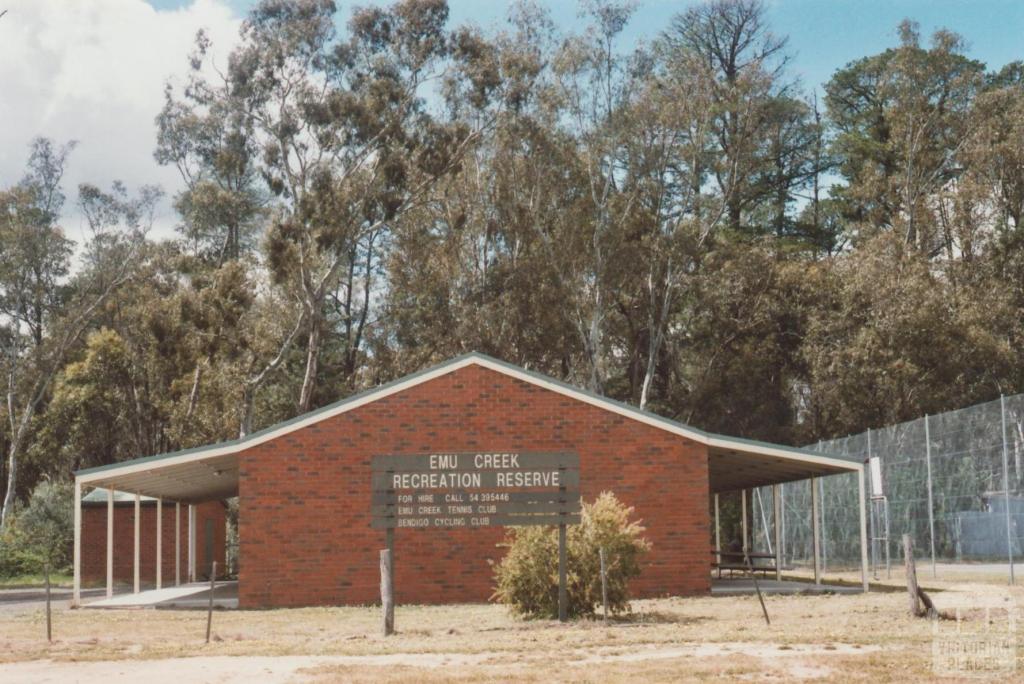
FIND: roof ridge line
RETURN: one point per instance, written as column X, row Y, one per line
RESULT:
column 372, row 394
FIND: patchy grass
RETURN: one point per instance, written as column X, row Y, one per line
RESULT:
column 862, row 637
column 35, row 581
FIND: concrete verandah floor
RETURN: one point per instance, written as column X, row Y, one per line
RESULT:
column 194, row 595
column 732, row 586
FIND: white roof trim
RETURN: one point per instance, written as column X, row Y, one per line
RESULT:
column 653, row 420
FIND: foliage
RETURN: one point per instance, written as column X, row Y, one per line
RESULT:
column 40, row 535
column 526, row 579
column 651, row 221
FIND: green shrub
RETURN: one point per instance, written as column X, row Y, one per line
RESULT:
column 526, row 579
column 40, row 533
column 16, row 561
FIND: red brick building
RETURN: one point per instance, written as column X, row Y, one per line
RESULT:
column 210, row 533
column 304, row 486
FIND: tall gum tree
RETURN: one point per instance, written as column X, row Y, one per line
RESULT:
column 37, row 342
column 902, row 119
column 473, row 268
column 346, row 146
column 593, row 86
column 731, row 41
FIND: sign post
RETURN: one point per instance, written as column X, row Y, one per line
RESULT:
column 468, row 490
column 563, row 599
column 387, row 592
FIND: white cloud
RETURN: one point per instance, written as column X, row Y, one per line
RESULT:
column 94, row 71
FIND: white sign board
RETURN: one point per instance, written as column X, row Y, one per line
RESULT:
column 875, row 466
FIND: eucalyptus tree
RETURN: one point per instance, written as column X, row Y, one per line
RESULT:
column 993, row 154
column 37, row 340
column 592, row 87
column 345, row 145
column 745, row 64
column 719, row 141
column 670, row 133
column 203, row 133
column 479, row 266
column 34, row 262
column 902, row 117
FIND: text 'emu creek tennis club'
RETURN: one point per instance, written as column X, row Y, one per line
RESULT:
column 475, row 489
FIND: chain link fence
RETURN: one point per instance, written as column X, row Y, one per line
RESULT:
column 953, row 482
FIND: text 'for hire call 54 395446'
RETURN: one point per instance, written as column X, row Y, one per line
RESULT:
column 479, row 489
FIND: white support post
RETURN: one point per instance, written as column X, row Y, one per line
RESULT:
column 718, row 534
column 191, row 543
column 135, row 564
column 824, row 527
column 76, row 597
column 782, row 522
column 777, row 528
column 159, row 542
column 110, row 543
column 177, row 543
column 931, row 507
column 1006, row 487
column 872, row 514
column 743, row 520
column 863, row 528
column 815, row 530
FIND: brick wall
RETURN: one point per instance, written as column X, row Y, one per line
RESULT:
column 94, row 542
column 304, row 517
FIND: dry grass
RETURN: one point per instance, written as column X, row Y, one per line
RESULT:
column 843, row 636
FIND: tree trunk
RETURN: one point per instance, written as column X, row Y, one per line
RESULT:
column 648, row 375
column 12, row 481
column 254, row 382
column 248, row 400
column 193, row 396
column 313, row 344
column 593, row 346
column 19, row 428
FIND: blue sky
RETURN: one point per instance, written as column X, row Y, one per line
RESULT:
column 94, row 71
column 824, row 35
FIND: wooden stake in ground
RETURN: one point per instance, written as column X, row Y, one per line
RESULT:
column 604, row 584
column 209, row 609
column 757, row 588
column 914, row 591
column 49, row 631
column 563, row 600
column 387, row 594
column 911, row 571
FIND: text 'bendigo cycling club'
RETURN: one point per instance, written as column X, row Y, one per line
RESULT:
column 475, row 489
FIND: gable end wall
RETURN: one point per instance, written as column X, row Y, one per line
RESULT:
column 304, row 506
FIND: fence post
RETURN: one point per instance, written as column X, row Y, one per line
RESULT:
column 209, row 607
column 49, row 623
column 931, row 507
column 604, row 584
column 1006, row 486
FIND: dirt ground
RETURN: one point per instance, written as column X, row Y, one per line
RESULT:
column 833, row 637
